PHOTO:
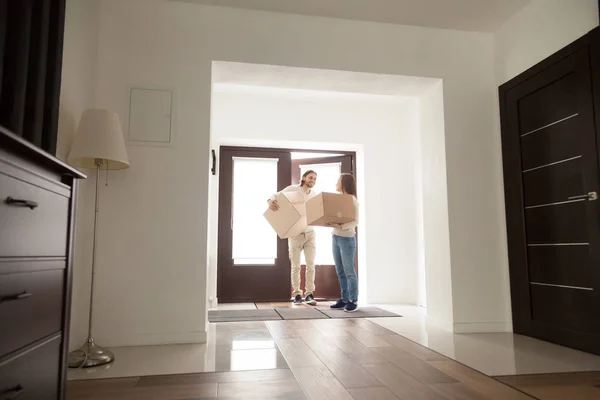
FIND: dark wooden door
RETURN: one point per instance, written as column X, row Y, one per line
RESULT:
column 551, row 180
column 328, row 169
column 253, row 263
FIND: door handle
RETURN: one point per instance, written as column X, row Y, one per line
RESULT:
column 15, row 297
column 22, row 203
column 591, row 196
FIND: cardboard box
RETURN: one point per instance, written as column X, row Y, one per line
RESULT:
column 290, row 219
column 330, row 208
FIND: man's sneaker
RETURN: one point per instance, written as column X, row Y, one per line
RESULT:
column 340, row 305
column 298, row 299
column 310, row 299
column 351, row 306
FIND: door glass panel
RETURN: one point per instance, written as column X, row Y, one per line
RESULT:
column 327, row 176
column 254, row 181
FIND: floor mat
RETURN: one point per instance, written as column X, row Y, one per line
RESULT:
column 307, row 312
column 362, row 312
column 242, row 315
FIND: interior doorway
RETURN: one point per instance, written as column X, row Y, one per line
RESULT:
column 252, row 262
column 393, row 124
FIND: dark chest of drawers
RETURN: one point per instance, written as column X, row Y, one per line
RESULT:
column 37, row 219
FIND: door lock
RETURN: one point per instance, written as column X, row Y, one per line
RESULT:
column 591, row 196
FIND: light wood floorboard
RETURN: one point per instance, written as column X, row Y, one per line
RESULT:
column 345, row 359
column 571, row 386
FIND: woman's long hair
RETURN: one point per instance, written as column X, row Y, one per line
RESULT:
column 348, row 184
column 307, row 173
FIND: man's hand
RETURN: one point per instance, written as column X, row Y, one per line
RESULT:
column 273, row 205
column 338, row 226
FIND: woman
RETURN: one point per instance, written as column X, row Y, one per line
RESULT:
column 344, row 248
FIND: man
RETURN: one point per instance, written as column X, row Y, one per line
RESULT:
column 303, row 242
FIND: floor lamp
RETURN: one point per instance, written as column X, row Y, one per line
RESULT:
column 98, row 145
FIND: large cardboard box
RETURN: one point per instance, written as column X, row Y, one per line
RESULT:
column 290, row 219
column 330, row 208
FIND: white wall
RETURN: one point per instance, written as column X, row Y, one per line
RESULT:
column 385, row 129
column 152, row 288
column 153, row 263
column 540, row 29
column 78, row 76
column 435, row 234
column 77, row 94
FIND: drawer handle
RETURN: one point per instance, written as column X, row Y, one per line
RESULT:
column 15, row 297
column 11, row 394
column 21, row 203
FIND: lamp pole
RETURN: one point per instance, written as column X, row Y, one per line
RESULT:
column 90, row 354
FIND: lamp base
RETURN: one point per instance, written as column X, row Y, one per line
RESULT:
column 90, row 355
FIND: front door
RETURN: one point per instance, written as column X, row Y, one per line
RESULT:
column 253, row 263
column 328, row 170
column 551, row 181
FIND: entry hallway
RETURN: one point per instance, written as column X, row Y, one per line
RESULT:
column 341, row 359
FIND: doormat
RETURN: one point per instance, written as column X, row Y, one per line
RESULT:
column 301, row 313
column 242, row 315
column 361, row 312
column 295, row 314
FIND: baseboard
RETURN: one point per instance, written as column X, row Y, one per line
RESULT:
column 156, row 339
column 482, row 327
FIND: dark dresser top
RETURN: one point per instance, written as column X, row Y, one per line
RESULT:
column 18, row 146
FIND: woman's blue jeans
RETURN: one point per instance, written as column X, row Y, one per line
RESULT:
column 344, row 249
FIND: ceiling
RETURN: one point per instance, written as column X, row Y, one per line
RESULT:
column 274, row 76
column 469, row 15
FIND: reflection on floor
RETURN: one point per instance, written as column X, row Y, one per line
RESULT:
column 494, row 354
column 268, row 384
column 324, row 359
column 241, row 346
column 362, row 358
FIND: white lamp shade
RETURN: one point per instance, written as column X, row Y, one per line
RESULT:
column 99, row 136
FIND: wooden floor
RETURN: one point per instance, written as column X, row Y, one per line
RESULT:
column 337, row 359
column 571, row 386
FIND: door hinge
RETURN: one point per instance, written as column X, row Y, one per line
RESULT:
column 214, row 162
